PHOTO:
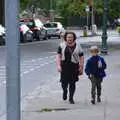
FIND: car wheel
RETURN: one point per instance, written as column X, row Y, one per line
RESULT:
column 49, row 37
column 29, row 37
column 45, row 37
column 37, row 35
column 2, row 40
column 59, row 37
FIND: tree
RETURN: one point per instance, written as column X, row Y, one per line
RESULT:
column 74, row 7
column 114, row 6
column 24, row 3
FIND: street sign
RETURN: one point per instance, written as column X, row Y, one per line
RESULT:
column 87, row 8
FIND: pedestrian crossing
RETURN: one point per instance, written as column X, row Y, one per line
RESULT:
column 27, row 66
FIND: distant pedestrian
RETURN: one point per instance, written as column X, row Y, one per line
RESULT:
column 70, row 63
column 95, row 69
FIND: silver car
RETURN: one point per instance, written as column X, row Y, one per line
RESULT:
column 54, row 29
column 2, row 34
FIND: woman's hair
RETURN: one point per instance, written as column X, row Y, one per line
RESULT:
column 74, row 35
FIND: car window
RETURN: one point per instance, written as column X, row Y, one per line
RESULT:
column 2, row 28
column 29, row 24
column 51, row 25
column 38, row 23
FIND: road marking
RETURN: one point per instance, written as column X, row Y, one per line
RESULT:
column 44, row 90
column 32, row 69
column 28, row 66
column 33, row 60
column 25, row 72
column 4, row 82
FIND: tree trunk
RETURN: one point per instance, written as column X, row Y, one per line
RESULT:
column 2, row 12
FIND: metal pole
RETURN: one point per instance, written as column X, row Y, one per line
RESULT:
column 51, row 11
column 104, row 49
column 92, row 14
column 87, row 19
column 51, row 4
column 92, row 18
column 13, row 60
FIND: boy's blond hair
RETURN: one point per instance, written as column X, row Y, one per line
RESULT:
column 94, row 48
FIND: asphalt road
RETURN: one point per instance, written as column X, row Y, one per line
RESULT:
column 37, row 68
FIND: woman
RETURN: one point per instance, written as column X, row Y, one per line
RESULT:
column 70, row 63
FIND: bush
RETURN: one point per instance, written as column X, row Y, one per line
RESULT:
column 118, row 30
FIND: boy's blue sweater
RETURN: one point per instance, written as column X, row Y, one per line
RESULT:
column 93, row 69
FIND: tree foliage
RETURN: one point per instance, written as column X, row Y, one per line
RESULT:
column 114, row 8
column 24, row 3
column 74, row 7
column 71, row 7
column 77, row 7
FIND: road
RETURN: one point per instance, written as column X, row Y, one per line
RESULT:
column 38, row 66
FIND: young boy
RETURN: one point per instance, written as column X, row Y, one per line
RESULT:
column 95, row 70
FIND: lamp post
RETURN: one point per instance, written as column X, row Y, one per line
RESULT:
column 87, row 9
column 13, row 60
column 104, row 49
column 51, row 11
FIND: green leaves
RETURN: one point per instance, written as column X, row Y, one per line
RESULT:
column 115, row 8
column 73, row 7
column 23, row 4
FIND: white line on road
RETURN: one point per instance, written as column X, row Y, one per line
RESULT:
column 34, row 63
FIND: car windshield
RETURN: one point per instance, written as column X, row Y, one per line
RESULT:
column 38, row 23
column 29, row 24
column 1, row 28
column 51, row 25
column 26, row 23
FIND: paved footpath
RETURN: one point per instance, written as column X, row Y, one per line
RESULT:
column 48, row 105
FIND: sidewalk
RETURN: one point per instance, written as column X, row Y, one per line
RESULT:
column 51, row 107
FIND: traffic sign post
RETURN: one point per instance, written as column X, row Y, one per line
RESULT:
column 13, row 60
column 104, row 49
column 87, row 9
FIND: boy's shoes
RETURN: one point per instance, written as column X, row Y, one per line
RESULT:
column 93, row 102
column 71, row 101
column 98, row 99
column 64, row 96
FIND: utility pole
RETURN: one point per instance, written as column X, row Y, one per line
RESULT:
column 13, row 60
column 51, row 11
column 92, row 14
column 104, row 49
column 93, row 19
column 87, row 9
column 2, row 12
column 91, row 4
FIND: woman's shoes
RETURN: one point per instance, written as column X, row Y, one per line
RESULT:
column 64, row 95
column 98, row 99
column 71, row 101
column 93, row 101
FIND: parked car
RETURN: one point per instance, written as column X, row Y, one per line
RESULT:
column 37, row 27
column 115, row 23
column 26, row 34
column 2, row 34
column 54, row 29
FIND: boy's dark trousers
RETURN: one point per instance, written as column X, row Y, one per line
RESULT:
column 96, row 85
